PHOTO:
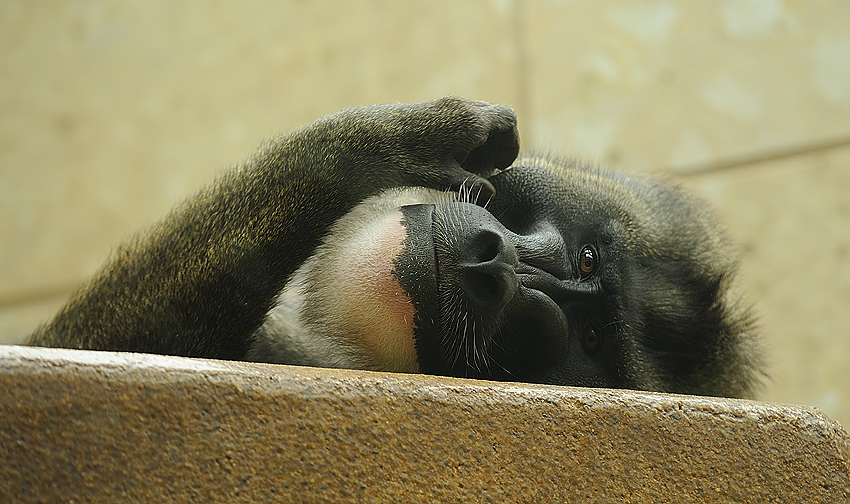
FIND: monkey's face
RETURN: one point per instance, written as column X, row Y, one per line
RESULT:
column 567, row 276
column 527, row 287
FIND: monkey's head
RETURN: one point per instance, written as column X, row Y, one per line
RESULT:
column 569, row 275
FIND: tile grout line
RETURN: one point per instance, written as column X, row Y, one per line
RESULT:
column 38, row 295
column 762, row 157
column 521, row 80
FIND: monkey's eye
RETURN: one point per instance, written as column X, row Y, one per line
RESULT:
column 587, row 260
column 591, row 340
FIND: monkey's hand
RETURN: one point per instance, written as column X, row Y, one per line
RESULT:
column 442, row 144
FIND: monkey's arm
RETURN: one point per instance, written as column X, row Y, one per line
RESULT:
column 201, row 281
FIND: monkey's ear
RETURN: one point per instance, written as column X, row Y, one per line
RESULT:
column 498, row 151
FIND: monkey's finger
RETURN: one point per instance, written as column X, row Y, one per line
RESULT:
column 500, row 145
column 498, row 152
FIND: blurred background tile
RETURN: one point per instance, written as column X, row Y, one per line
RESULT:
column 650, row 85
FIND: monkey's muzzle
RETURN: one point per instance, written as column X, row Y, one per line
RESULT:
column 457, row 262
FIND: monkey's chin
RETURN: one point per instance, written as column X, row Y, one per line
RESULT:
column 375, row 310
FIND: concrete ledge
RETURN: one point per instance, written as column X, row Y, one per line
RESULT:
column 82, row 426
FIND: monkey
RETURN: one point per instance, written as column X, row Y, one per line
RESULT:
column 413, row 238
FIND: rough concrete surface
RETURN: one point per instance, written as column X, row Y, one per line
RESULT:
column 81, row 426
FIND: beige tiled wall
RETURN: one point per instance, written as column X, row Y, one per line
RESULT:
column 111, row 112
column 651, row 85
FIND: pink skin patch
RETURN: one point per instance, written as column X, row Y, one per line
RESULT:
column 377, row 310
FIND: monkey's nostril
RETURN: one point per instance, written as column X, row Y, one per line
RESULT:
column 481, row 288
column 487, row 246
column 487, row 264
